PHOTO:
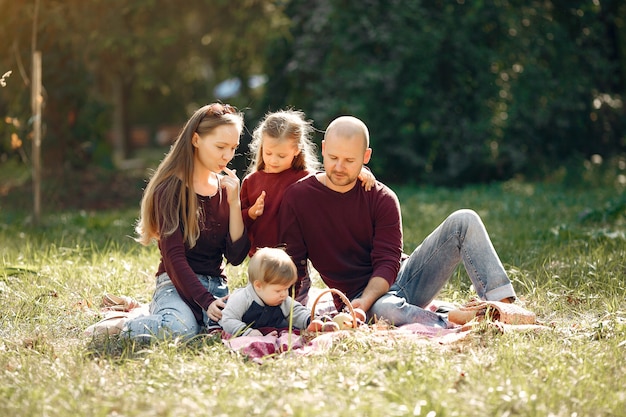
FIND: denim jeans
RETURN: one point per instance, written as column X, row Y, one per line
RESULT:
column 170, row 316
column 461, row 237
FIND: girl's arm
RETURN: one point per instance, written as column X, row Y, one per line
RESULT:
column 257, row 208
column 367, row 178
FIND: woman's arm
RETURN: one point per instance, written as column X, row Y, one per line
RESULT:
column 230, row 182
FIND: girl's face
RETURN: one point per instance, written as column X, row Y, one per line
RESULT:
column 272, row 294
column 278, row 154
column 214, row 150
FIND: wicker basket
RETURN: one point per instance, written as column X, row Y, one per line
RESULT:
column 345, row 300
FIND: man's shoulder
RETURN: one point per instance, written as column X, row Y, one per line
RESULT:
column 381, row 190
column 301, row 184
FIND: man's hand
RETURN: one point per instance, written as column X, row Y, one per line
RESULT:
column 362, row 304
column 376, row 287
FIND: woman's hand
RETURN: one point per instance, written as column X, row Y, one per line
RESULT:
column 215, row 309
column 230, row 182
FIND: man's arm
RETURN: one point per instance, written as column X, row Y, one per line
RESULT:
column 386, row 251
column 375, row 288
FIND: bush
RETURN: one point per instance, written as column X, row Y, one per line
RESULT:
column 456, row 92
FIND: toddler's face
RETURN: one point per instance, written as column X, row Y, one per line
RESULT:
column 278, row 154
column 272, row 294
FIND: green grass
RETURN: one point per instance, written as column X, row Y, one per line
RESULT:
column 564, row 248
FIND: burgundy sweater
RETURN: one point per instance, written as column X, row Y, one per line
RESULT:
column 349, row 237
column 263, row 232
column 206, row 258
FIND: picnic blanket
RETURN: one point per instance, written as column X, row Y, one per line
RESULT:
column 282, row 341
column 260, row 347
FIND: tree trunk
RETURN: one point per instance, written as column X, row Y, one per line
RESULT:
column 118, row 130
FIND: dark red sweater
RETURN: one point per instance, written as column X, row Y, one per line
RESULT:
column 206, row 258
column 263, row 232
column 349, row 237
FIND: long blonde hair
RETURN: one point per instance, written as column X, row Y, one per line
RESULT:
column 169, row 197
column 285, row 125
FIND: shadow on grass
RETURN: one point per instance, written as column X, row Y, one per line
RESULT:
column 120, row 348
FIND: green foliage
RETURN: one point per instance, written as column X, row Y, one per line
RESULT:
column 123, row 65
column 453, row 91
column 458, row 92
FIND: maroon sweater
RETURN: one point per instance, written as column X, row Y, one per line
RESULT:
column 263, row 232
column 206, row 258
column 349, row 237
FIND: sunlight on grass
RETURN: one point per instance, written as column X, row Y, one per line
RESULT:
column 563, row 248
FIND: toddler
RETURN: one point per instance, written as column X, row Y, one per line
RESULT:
column 265, row 301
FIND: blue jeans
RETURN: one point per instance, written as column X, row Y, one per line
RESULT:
column 170, row 316
column 461, row 237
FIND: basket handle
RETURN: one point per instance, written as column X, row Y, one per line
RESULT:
column 343, row 297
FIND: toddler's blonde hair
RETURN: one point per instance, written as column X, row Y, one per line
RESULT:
column 272, row 266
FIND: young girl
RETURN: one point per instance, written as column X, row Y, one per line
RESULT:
column 264, row 304
column 193, row 212
column 282, row 153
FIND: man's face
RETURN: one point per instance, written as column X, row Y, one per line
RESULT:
column 343, row 159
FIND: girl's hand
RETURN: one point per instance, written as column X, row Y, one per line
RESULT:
column 367, row 178
column 257, row 208
column 230, row 182
column 215, row 309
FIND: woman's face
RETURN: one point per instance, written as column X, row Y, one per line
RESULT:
column 215, row 150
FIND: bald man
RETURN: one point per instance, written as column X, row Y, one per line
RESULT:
column 353, row 238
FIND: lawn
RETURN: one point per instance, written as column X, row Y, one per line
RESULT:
column 564, row 248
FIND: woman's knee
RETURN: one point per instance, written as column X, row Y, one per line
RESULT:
column 175, row 324
column 166, row 325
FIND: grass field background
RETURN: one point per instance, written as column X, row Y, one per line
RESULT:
column 563, row 246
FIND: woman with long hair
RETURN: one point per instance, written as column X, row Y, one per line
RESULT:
column 191, row 207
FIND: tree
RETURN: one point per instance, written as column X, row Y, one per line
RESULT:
column 130, row 62
column 455, row 91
